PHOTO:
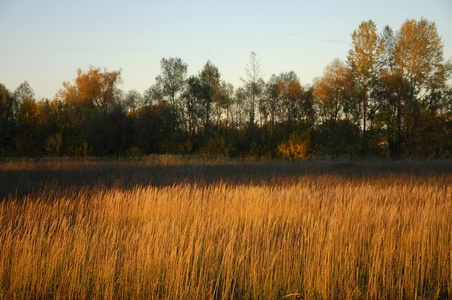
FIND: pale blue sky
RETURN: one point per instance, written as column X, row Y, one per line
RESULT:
column 44, row 42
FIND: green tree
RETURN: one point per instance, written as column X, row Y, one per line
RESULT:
column 209, row 79
column 193, row 97
column 171, row 83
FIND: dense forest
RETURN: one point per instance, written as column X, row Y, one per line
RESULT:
column 391, row 97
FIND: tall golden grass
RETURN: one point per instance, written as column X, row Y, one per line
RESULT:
column 316, row 237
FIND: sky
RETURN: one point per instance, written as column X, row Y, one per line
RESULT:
column 45, row 42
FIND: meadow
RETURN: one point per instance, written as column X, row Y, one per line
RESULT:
column 183, row 228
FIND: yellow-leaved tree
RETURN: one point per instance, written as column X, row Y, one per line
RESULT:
column 419, row 60
column 95, row 89
column 363, row 60
column 333, row 89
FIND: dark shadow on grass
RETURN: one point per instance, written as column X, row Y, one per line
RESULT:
column 20, row 183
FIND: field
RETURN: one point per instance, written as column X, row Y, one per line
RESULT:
column 179, row 228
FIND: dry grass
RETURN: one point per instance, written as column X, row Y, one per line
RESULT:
column 315, row 237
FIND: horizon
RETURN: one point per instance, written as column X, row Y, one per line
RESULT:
column 45, row 43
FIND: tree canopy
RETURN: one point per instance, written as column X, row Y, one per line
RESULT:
column 93, row 89
column 391, row 97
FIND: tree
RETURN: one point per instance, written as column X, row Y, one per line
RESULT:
column 193, row 97
column 412, row 78
column 7, row 122
column 419, row 60
column 110, row 132
column 209, row 79
column 388, row 41
column 338, row 138
column 391, row 93
column 237, row 110
column 152, row 127
column 363, row 60
column 285, row 101
column 308, row 113
column 271, row 102
column 333, row 89
column 171, row 82
column 254, row 83
column 172, row 78
column 71, row 128
column 133, row 101
column 27, row 124
column 37, row 122
column 93, row 89
column 152, row 95
column 223, row 100
column 290, row 92
column 23, row 91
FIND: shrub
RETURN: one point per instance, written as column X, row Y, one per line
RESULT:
column 297, row 147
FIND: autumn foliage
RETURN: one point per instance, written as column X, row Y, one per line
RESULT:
column 391, row 97
column 93, row 89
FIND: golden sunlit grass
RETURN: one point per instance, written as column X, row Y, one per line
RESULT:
column 315, row 237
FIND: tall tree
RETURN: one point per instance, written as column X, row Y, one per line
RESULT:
column 254, row 83
column 419, row 64
column 171, row 82
column 419, row 59
column 363, row 60
column 238, row 114
column 333, row 89
column 223, row 100
column 391, row 92
column 388, row 41
column 290, row 92
column 23, row 91
column 193, row 97
column 94, row 89
column 209, row 78
column 271, row 102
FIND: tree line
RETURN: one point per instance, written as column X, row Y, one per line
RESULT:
column 391, row 97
